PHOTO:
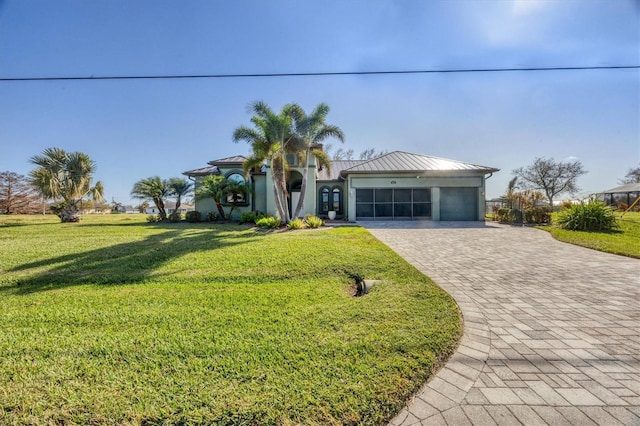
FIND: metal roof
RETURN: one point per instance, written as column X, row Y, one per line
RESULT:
column 630, row 187
column 399, row 161
column 203, row 171
column 337, row 166
column 236, row 159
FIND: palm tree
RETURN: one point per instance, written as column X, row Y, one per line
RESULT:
column 235, row 191
column 311, row 130
column 179, row 188
column 213, row 186
column 154, row 189
column 220, row 188
column 270, row 139
column 66, row 178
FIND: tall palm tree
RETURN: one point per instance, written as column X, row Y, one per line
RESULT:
column 154, row 189
column 311, row 130
column 271, row 138
column 66, row 178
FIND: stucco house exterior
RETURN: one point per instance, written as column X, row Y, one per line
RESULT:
column 395, row 186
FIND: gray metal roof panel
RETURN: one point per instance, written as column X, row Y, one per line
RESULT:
column 630, row 187
column 236, row 159
column 336, row 167
column 203, row 171
column 399, row 161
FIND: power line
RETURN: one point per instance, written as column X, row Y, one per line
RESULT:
column 315, row 74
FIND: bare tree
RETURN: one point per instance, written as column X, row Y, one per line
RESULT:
column 16, row 195
column 348, row 154
column 371, row 153
column 550, row 176
column 632, row 176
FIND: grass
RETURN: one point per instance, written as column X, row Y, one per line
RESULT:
column 115, row 321
column 624, row 241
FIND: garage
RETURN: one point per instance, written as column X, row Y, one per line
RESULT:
column 459, row 204
column 393, row 203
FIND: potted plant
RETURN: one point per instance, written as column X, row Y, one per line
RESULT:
column 332, row 214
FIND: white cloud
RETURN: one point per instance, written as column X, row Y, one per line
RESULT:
column 528, row 7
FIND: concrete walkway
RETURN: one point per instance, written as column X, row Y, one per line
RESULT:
column 552, row 330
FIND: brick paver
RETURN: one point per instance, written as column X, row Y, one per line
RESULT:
column 552, row 330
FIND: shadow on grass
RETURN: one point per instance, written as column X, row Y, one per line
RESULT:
column 127, row 263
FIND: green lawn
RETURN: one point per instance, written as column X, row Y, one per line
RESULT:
column 624, row 241
column 115, row 321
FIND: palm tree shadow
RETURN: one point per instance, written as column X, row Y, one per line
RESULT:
column 127, row 263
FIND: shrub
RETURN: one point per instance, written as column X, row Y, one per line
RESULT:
column 175, row 217
column 507, row 215
column 537, row 215
column 212, row 216
column 313, row 222
column 268, row 222
column 296, row 224
column 590, row 216
column 193, row 216
column 152, row 218
column 250, row 217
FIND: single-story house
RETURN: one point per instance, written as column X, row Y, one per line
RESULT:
column 621, row 196
column 170, row 207
column 395, row 186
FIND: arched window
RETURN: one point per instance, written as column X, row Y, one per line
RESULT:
column 324, row 199
column 336, row 199
column 237, row 199
column 236, row 177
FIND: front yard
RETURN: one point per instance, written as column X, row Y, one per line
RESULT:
column 117, row 321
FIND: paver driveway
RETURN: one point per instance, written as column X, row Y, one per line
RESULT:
column 552, row 330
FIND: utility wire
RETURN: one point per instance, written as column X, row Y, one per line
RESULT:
column 313, row 74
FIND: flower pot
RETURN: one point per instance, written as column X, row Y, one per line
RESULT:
column 332, row 215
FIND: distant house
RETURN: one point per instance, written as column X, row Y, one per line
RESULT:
column 170, row 206
column 395, row 186
column 621, row 196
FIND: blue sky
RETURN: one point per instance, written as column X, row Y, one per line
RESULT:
column 139, row 128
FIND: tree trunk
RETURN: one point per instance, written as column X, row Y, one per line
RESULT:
column 303, row 187
column 220, row 209
column 280, row 192
column 69, row 213
column 161, row 211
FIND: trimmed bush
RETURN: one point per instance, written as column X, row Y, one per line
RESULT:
column 507, row 215
column 590, row 216
column 193, row 216
column 250, row 217
column 537, row 215
column 268, row 222
column 296, row 224
column 212, row 216
column 314, row 222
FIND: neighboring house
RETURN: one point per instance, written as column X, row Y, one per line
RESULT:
column 169, row 207
column 621, row 196
column 395, row 186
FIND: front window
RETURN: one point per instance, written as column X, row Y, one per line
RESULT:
column 236, row 197
column 324, row 200
column 336, row 199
